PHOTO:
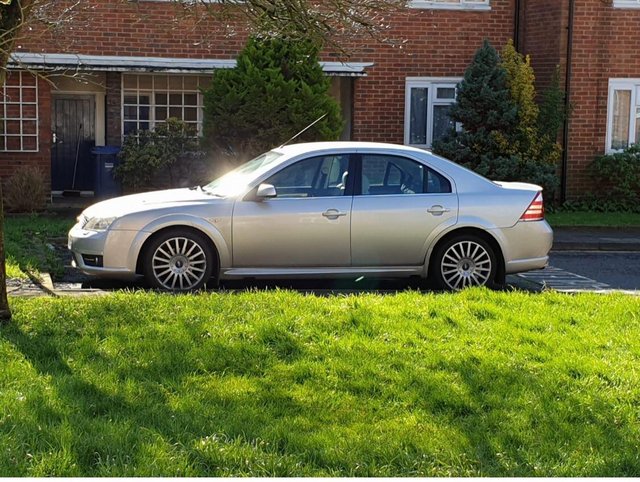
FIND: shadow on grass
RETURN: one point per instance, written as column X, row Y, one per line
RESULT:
column 233, row 416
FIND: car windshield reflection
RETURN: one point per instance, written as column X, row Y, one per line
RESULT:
column 234, row 182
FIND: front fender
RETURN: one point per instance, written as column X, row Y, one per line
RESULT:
column 175, row 221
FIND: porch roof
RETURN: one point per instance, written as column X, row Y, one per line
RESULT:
column 116, row 63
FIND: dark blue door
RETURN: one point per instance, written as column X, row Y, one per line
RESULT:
column 73, row 125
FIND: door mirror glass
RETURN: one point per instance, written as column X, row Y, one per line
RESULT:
column 266, row 191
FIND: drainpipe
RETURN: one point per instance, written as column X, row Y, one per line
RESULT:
column 516, row 26
column 567, row 103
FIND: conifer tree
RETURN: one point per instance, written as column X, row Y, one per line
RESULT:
column 501, row 135
column 488, row 115
column 276, row 90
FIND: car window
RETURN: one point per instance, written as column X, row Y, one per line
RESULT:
column 320, row 176
column 383, row 174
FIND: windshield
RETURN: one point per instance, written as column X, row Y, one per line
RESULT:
column 234, row 182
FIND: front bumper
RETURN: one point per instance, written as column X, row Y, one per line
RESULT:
column 103, row 253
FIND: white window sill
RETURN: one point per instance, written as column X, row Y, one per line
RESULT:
column 626, row 4
column 427, row 5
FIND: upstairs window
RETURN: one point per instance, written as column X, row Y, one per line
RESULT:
column 427, row 110
column 19, row 111
column 451, row 4
column 623, row 125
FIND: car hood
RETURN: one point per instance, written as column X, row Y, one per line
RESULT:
column 147, row 201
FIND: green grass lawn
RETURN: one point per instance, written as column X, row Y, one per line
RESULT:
column 26, row 239
column 279, row 383
column 592, row 218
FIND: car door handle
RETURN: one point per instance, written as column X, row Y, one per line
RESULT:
column 438, row 210
column 333, row 213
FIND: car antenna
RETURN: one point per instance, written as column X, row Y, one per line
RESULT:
column 305, row 129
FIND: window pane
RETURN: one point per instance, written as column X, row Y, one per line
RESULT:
column 160, row 82
column 190, row 114
column 437, row 183
column 161, row 114
column 391, row 175
column 130, row 112
column 131, row 99
column 143, row 113
column 190, row 99
column 446, row 93
column 442, row 123
column 418, row 116
column 130, row 81
column 621, row 119
column 145, row 82
column 130, row 127
column 175, row 99
column 161, row 99
column 297, row 180
column 190, row 83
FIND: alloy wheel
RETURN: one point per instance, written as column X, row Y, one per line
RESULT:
column 179, row 263
column 466, row 263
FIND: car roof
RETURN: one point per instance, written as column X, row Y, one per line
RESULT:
column 303, row 147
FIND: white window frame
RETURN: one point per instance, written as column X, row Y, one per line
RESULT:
column 442, row 5
column 432, row 84
column 21, row 119
column 622, row 84
column 152, row 103
column 626, row 3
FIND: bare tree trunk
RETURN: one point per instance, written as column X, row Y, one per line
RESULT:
column 5, row 311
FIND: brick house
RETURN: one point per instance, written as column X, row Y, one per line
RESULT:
column 140, row 66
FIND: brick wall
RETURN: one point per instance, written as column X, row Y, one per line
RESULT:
column 605, row 45
column 114, row 108
column 439, row 43
column 139, row 28
column 543, row 37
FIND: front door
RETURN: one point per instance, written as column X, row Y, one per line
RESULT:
column 306, row 225
column 73, row 125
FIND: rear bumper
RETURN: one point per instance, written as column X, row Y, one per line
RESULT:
column 525, row 245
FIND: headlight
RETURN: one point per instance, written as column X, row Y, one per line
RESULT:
column 99, row 224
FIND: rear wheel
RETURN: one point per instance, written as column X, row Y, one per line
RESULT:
column 464, row 261
column 178, row 260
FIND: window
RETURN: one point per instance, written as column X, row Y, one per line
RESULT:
column 451, row 4
column 148, row 100
column 623, row 126
column 383, row 174
column 626, row 3
column 427, row 106
column 315, row 177
column 19, row 111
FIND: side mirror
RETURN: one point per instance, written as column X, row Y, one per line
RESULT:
column 266, row 191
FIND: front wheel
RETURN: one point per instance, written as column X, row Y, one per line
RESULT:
column 178, row 260
column 464, row 261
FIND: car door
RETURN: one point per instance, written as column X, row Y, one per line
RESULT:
column 307, row 224
column 398, row 203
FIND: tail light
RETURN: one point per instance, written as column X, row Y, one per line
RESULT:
column 535, row 211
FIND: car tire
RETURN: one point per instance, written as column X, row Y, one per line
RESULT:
column 178, row 260
column 464, row 261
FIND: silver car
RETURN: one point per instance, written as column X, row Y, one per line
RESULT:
column 336, row 209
